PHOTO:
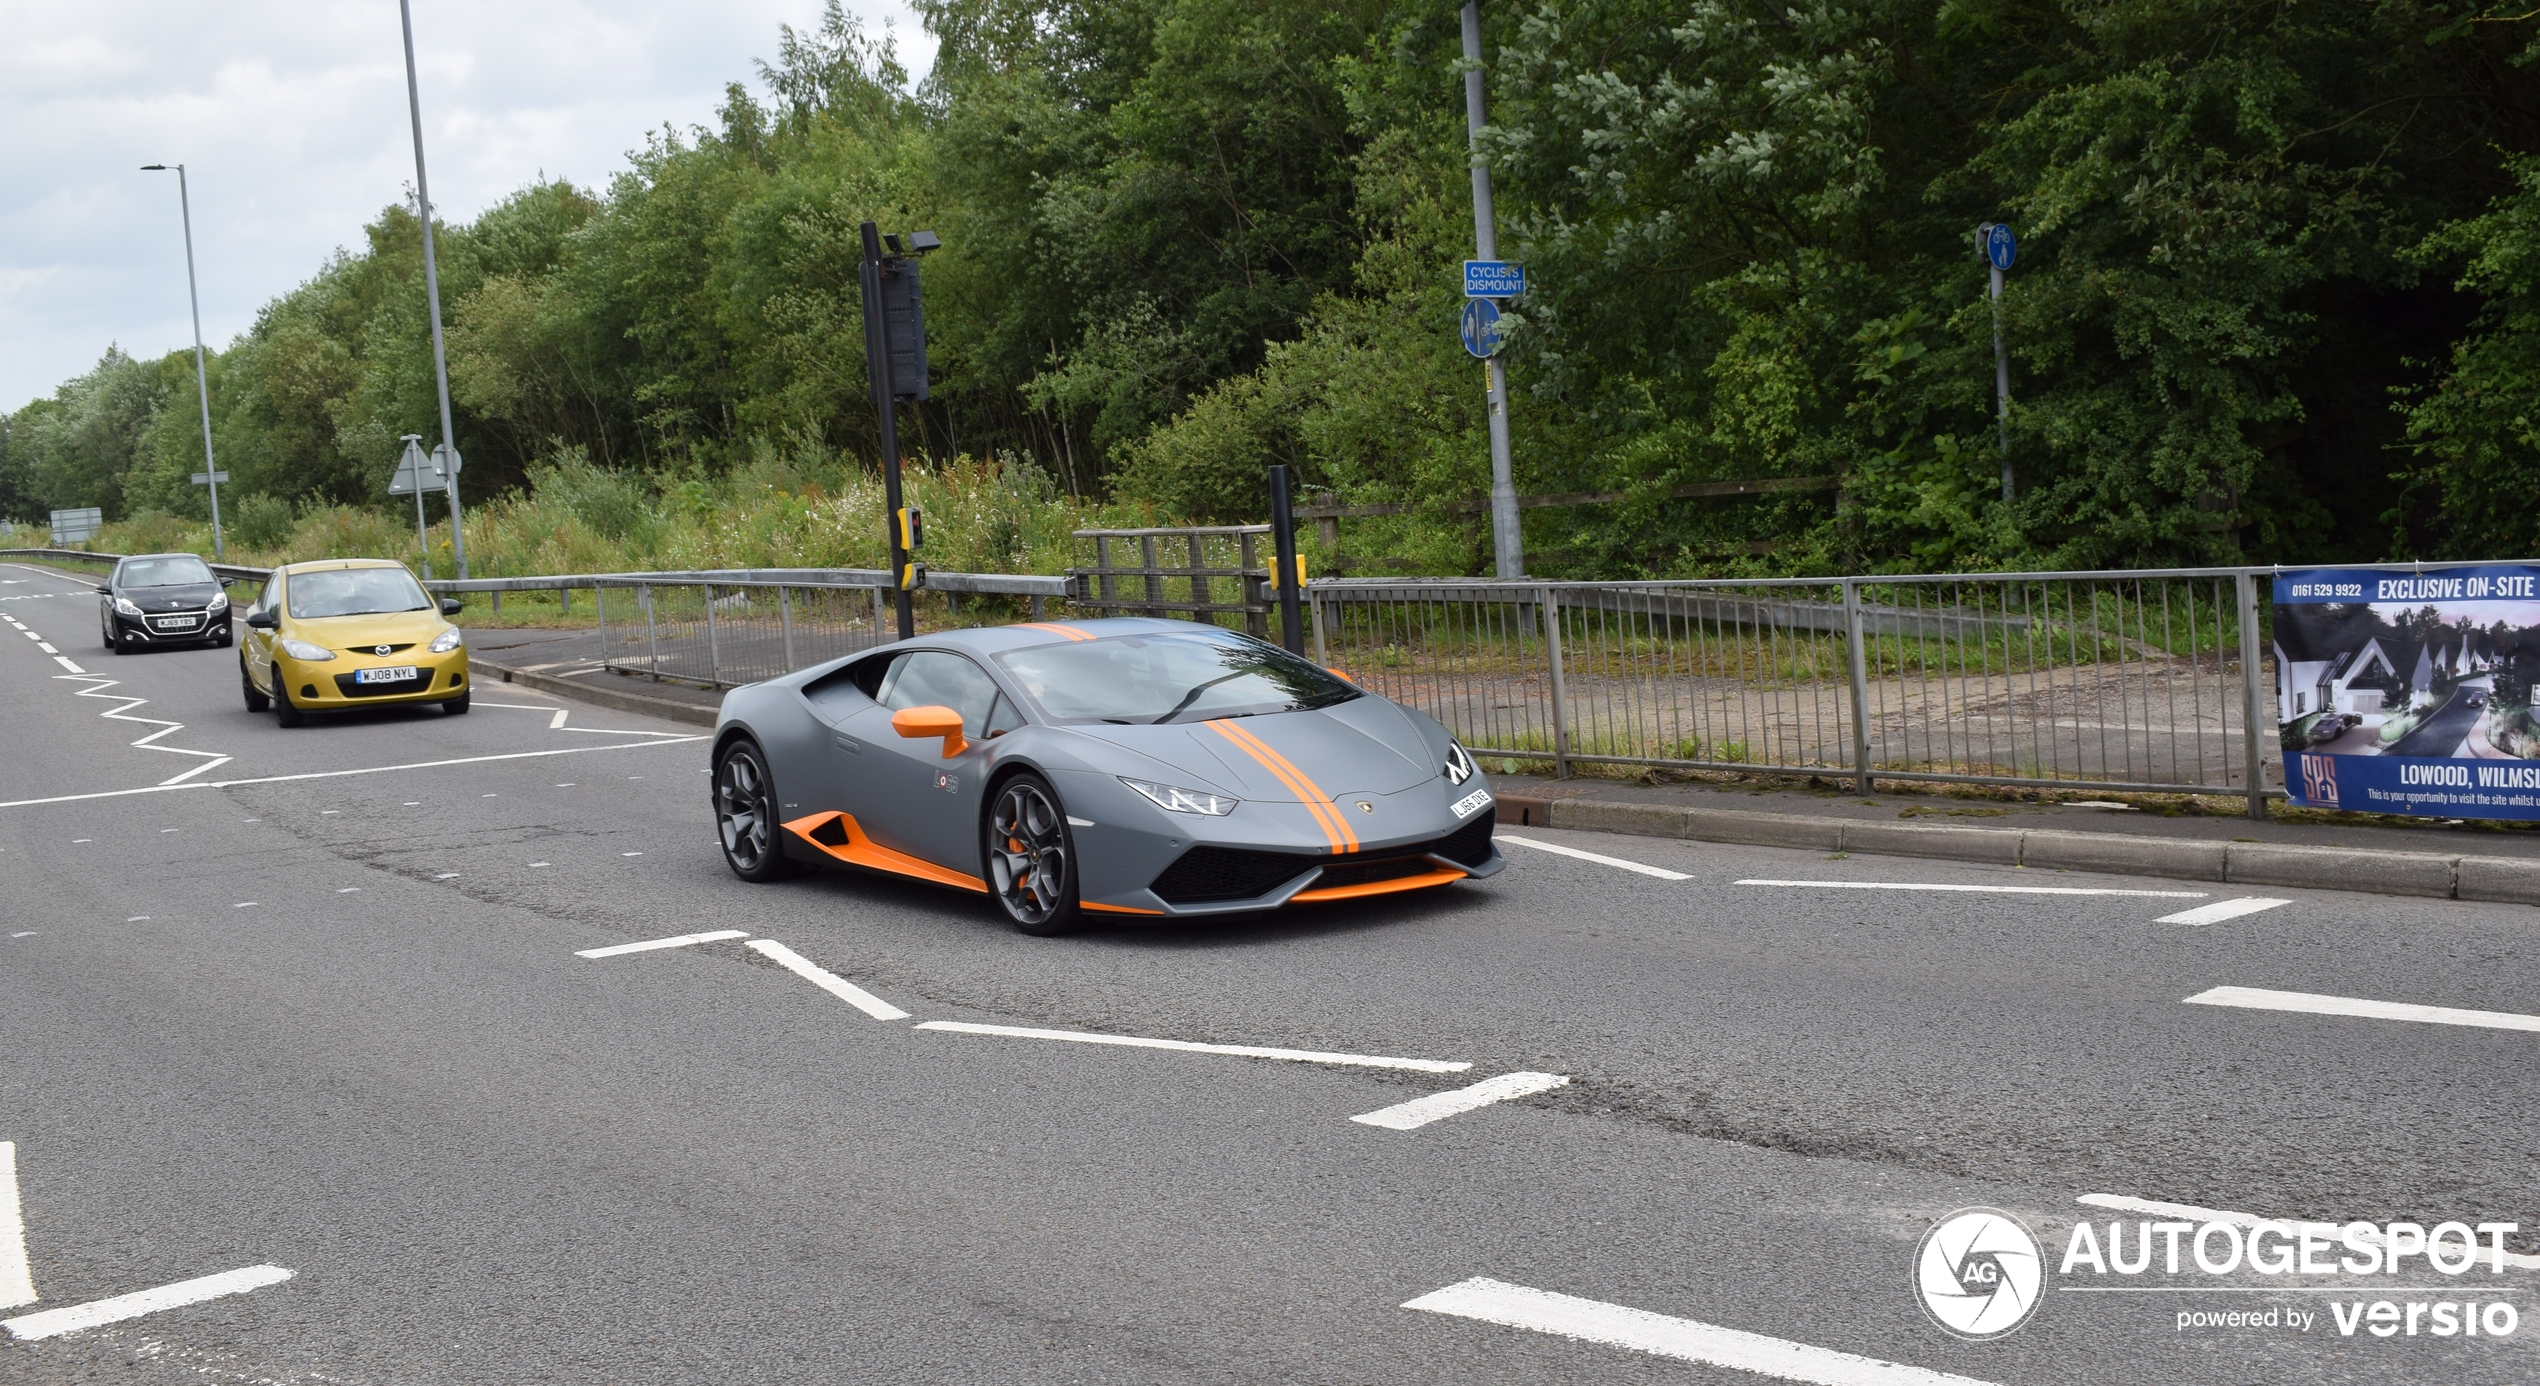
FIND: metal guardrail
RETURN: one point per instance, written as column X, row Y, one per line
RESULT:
column 244, row 573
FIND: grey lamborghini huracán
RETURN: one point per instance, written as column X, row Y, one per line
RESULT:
column 1132, row 768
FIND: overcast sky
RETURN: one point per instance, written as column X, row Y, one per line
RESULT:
column 291, row 120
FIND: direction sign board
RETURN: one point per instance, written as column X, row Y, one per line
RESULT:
column 77, row 526
column 207, row 478
column 1481, row 327
column 417, row 473
column 1494, row 279
column 2000, row 247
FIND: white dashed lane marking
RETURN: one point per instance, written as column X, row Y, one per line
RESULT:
column 1658, row 871
column 828, row 981
column 2308, row 1003
column 1979, row 889
column 1420, row 1111
column 54, row 1322
column 1615, row 1325
column 2221, row 910
column 648, row 945
column 17, row 1283
column 1244, row 1051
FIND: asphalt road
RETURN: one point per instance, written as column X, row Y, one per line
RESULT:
column 318, row 1007
column 2442, row 733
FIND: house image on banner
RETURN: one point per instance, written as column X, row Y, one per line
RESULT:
column 2309, row 681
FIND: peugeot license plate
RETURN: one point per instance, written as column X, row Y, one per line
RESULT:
column 399, row 674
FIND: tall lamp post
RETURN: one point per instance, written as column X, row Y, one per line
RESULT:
column 432, row 295
column 1508, row 542
column 202, row 387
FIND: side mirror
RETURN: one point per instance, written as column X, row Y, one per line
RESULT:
column 104, row 591
column 450, row 606
column 262, row 620
column 227, row 583
column 917, row 723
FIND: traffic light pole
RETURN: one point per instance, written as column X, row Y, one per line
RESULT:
column 877, row 360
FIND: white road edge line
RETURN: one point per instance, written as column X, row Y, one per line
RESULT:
column 1658, row 871
column 1245, row 1051
column 1979, row 889
column 17, row 1283
column 2261, row 999
column 1615, row 1325
column 52, row 1323
column 1420, row 1111
column 2154, row 1207
column 828, row 981
column 2221, row 910
column 365, row 770
column 649, row 945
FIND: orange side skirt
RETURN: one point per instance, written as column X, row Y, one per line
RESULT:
column 1116, row 909
column 861, row 850
column 1439, row 877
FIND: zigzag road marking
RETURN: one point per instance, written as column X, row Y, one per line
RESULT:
column 97, row 689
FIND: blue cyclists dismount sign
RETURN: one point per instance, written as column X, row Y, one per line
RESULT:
column 1494, row 279
column 1481, row 327
column 2000, row 247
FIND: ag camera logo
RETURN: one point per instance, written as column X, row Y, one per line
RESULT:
column 1978, row 1273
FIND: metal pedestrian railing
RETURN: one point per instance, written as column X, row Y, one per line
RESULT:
column 2112, row 681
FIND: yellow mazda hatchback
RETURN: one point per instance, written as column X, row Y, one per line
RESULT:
column 354, row 632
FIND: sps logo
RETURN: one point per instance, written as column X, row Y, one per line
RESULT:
column 1978, row 1272
column 2319, row 779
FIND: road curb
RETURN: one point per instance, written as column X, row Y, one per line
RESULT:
column 670, row 708
column 2507, row 880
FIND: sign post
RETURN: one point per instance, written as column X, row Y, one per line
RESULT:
column 1999, row 248
column 417, row 474
column 76, row 526
column 1508, row 543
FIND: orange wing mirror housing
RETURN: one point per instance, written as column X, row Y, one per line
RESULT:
column 917, row 723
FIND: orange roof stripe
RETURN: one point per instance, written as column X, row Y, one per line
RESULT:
column 1055, row 629
column 1326, row 813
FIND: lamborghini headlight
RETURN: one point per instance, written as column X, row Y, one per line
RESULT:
column 449, row 640
column 1459, row 763
column 1172, row 798
column 303, row 650
column 124, row 605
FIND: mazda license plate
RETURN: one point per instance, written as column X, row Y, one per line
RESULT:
column 399, row 674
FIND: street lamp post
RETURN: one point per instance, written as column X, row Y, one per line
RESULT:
column 202, row 386
column 432, row 294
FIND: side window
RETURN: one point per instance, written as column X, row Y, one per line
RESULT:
column 1006, row 718
column 271, row 597
column 926, row 678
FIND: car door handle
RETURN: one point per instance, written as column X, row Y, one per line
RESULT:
column 847, row 743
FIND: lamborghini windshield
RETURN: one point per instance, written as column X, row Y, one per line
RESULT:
column 355, row 592
column 1134, row 679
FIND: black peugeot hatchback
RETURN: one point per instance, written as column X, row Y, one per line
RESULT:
column 163, row 599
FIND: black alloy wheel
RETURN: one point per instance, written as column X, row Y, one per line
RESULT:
column 1031, row 860
column 745, row 816
column 256, row 702
column 285, row 711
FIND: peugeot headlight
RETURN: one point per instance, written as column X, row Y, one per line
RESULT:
column 447, row 641
column 303, row 650
column 1459, row 763
column 1172, row 798
column 124, row 605
column 219, row 602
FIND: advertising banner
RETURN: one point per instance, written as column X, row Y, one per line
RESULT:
column 2410, row 692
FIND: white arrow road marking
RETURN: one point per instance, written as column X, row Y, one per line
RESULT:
column 1245, row 1051
column 828, row 981
column 17, row 1284
column 52, row 1323
column 2221, row 910
column 1494, row 1301
column 1420, row 1111
column 125, row 703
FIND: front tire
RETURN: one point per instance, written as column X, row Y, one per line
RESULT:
column 122, row 640
column 285, row 711
column 1031, row 860
column 454, row 706
column 745, row 815
column 256, row 702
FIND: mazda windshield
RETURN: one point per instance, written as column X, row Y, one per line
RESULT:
column 355, row 592
column 1148, row 679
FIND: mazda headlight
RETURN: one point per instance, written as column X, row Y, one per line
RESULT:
column 219, row 602
column 447, row 641
column 1459, row 763
column 1172, row 798
column 124, row 605
column 303, row 650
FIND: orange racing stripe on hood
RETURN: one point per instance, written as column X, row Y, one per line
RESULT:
column 1326, row 813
